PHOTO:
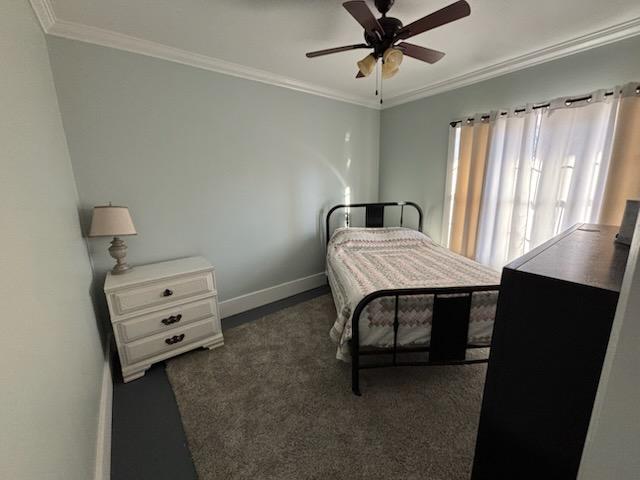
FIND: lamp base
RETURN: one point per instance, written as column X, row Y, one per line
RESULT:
column 118, row 250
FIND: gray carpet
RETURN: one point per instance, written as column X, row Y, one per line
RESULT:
column 274, row 403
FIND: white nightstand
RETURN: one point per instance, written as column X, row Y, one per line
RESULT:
column 161, row 310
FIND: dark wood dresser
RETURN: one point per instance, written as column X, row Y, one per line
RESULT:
column 554, row 316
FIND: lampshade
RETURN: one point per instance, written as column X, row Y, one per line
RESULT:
column 393, row 57
column 388, row 70
column 367, row 64
column 111, row 221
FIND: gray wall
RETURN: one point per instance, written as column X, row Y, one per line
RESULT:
column 611, row 448
column 414, row 136
column 51, row 359
column 210, row 164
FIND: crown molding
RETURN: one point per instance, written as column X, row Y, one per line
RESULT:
column 107, row 38
column 44, row 11
column 595, row 39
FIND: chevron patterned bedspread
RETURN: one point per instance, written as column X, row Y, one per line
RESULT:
column 363, row 260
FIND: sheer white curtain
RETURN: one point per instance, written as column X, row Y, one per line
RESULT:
column 506, row 196
column 546, row 171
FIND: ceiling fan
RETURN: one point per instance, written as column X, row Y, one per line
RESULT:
column 382, row 34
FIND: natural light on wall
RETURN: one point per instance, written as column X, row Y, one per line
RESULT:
column 452, row 177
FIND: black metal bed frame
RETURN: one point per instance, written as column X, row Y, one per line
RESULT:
column 450, row 317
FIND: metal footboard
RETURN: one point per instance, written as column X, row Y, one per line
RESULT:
column 449, row 330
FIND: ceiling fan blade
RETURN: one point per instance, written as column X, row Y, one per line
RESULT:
column 364, row 16
column 336, row 50
column 359, row 74
column 453, row 12
column 421, row 53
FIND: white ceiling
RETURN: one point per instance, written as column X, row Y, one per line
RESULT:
column 272, row 36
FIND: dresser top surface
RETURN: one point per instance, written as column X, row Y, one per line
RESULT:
column 585, row 254
column 155, row 271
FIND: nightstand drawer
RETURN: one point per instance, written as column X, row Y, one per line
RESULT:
column 172, row 339
column 164, row 292
column 163, row 320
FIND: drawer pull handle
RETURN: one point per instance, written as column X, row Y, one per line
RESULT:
column 167, row 293
column 175, row 339
column 172, row 319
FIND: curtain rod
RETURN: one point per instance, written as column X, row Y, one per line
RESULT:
column 567, row 102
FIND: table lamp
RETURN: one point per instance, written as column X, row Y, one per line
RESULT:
column 112, row 221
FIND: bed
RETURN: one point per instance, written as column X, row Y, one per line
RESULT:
column 398, row 292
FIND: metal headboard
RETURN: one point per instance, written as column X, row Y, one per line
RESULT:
column 374, row 214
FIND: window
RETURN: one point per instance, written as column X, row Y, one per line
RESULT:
column 542, row 171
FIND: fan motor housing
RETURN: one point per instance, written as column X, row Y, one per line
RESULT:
column 391, row 26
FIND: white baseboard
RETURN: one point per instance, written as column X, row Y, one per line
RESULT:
column 103, row 444
column 229, row 307
column 265, row 296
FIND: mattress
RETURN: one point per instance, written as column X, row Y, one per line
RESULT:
column 364, row 260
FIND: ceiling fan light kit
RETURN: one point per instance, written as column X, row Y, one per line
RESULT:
column 391, row 60
column 393, row 56
column 383, row 34
column 388, row 71
column 367, row 65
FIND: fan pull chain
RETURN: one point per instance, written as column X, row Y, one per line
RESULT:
column 377, row 78
column 381, row 80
